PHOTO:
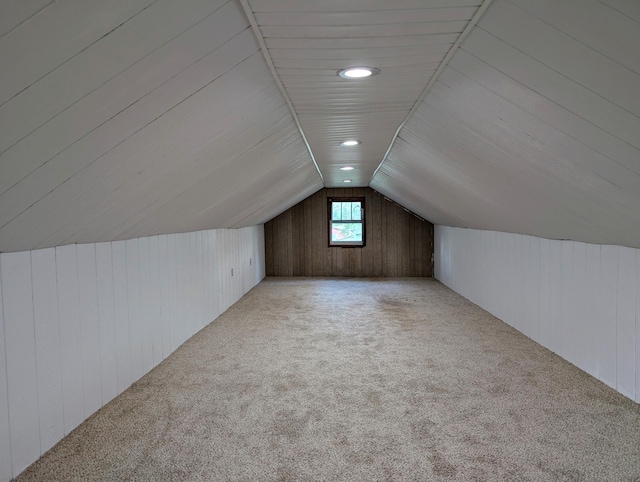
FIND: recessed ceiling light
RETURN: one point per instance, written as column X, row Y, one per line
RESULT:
column 358, row 72
column 347, row 168
column 349, row 143
column 347, row 180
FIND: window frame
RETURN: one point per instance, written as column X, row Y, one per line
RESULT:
column 363, row 221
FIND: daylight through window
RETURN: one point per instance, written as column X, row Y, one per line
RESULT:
column 346, row 222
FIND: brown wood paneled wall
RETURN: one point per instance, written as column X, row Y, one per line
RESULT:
column 398, row 243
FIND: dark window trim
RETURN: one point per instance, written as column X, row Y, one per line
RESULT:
column 364, row 222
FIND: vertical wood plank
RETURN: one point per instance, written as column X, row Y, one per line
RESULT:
column 566, row 332
column 206, row 274
column 90, row 328
column 200, row 280
column 384, row 233
column 289, row 242
column 407, row 254
column 377, row 234
column 637, row 399
column 592, row 319
column 215, row 274
column 327, row 253
column 70, row 337
column 20, row 352
column 307, row 238
column 608, row 314
column 555, row 296
column 544, row 292
column 510, row 279
column 297, row 249
column 269, row 243
column 172, row 276
column 626, row 322
column 365, row 260
column 319, row 241
column 392, row 240
column 165, row 309
column 121, row 314
column 144, row 312
column 135, row 326
column 520, row 274
column 47, row 334
column 419, row 240
column 106, row 317
column 580, row 302
column 533, row 289
column 6, row 469
column 155, row 301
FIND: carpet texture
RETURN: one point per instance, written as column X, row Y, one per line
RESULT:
column 356, row 379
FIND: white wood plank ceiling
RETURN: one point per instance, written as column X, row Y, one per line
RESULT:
column 533, row 127
column 308, row 41
column 127, row 118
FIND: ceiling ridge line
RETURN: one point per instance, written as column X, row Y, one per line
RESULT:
column 267, row 57
column 472, row 23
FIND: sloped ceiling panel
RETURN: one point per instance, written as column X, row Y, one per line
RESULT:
column 533, row 127
column 121, row 119
column 308, row 41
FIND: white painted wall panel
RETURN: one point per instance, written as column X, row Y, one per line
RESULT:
column 164, row 323
column 533, row 289
column 173, row 289
column 121, row 314
column 66, row 342
column 145, row 304
column 20, row 352
column 626, row 322
column 566, row 344
column 579, row 300
column 577, row 327
column 637, row 323
column 155, row 300
column 107, row 321
column 133, row 297
column 182, row 252
column 608, row 314
column 592, row 322
column 89, row 328
column 6, row 470
column 555, row 300
column 544, row 291
column 48, row 356
column 70, row 337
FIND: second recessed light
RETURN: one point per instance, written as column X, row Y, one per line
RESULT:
column 349, row 143
column 347, row 168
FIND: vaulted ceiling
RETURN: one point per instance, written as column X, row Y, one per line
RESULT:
column 126, row 118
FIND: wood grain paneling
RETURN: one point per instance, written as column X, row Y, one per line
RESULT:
column 398, row 242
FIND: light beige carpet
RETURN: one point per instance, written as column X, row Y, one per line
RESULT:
column 356, row 379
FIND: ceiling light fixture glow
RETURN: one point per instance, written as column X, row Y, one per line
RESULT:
column 347, row 180
column 347, row 168
column 358, row 72
column 349, row 143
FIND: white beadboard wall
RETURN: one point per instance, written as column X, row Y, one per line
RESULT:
column 80, row 323
column 582, row 301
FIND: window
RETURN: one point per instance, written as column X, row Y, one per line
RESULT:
column 346, row 222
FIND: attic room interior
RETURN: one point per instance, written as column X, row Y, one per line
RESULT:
column 319, row 240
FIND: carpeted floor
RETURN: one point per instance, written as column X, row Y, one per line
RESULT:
column 356, row 379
